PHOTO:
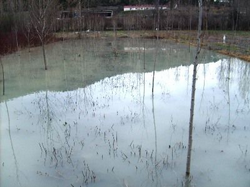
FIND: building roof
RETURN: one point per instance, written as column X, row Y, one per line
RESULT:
column 142, row 6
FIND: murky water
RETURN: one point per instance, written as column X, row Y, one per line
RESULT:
column 91, row 120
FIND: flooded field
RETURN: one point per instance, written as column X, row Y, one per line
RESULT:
column 91, row 119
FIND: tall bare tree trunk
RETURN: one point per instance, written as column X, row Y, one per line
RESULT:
column 190, row 137
column 156, row 47
column 15, row 11
column 44, row 56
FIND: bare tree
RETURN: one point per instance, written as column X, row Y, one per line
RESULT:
column 190, row 138
column 26, row 29
column 42, row 15
column 157, row 38
column 15, row 10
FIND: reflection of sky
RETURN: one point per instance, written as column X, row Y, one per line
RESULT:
column 113, row 117
column 79, row 63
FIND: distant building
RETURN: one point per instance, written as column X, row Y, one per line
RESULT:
column 143, row 7
column 221, row 1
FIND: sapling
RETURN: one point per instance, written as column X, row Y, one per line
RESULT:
column 157, row 37
column 190, row 139
column 42, row 14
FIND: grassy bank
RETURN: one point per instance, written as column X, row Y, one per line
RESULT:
column 237, row 44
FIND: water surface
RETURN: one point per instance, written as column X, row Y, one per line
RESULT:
column 91, row 119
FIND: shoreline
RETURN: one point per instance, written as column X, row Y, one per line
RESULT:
column 237, row 44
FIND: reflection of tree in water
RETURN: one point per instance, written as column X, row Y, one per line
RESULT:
column 236, row 67
column 59, row 141
column 235, row 74
column 155, row 134
column 12, row 146
column 242, row 71
column 224, row 73
column 57, row 133
column 244, row 79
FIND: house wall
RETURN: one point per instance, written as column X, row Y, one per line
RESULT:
column 142, row 7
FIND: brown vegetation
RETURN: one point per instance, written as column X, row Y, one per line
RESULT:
column 8, row 41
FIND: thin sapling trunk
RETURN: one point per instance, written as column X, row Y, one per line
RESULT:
column 157, row 38
column 190, row 137
column 44, row 57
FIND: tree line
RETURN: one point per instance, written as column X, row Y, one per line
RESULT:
column 26, row 22
column 7, row 5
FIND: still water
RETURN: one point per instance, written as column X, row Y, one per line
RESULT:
column 92, row 120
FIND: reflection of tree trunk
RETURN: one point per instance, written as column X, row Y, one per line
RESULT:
column 144, row 59
column 228, row 95
column 49, row 128
column 156, row 53
column 3, row 76
column 47, row 106
column 12, row 146
column 204, row 83
column 153, row 81
column 190, row 139
column 153, row 112
column 143, row 101
column 155, row 164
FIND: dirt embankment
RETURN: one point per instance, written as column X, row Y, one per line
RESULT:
column 231, row 43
